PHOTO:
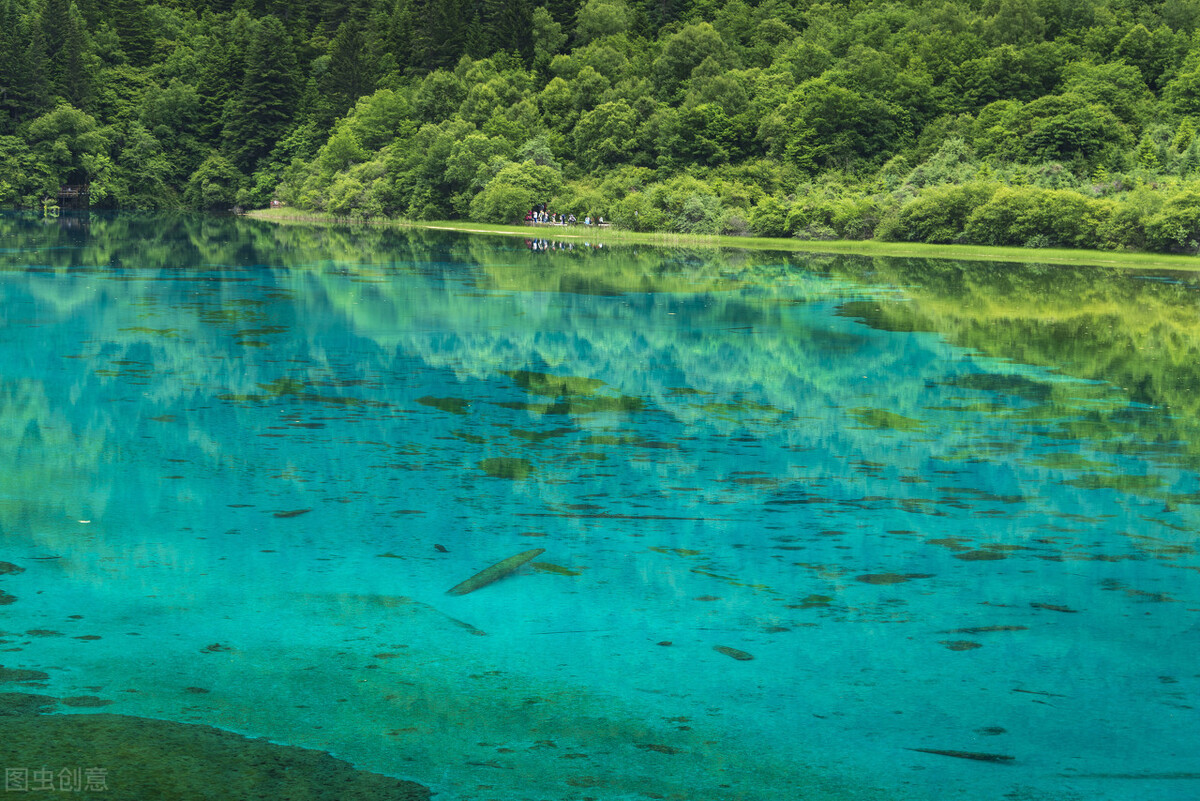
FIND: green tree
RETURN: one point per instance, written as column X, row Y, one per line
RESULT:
column 67, row 141
column 67, row 52
column 214, row 185
column 597, row 19
column 684, row 51
column 834, row 127
column 261, row 113
column 351, row 72
column 605, row 135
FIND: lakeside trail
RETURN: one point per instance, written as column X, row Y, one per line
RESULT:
column 1098, row 258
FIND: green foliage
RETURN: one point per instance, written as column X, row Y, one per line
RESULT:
column 605, row 135
column 940, row 214
column 597, row 19
column 993, row 121
column 261, row 112
column 1177, row 226
column 214, row 185
column 1032, row 217
column 67, row 143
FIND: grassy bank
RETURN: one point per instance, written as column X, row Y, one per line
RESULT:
column 1123, row 259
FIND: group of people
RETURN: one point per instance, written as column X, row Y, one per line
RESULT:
column 539, row 215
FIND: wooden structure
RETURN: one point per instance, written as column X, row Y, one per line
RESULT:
column 73, row 196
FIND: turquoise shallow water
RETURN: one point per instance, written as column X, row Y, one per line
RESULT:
column 943, row 507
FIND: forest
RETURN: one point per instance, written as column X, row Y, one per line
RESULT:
column 1036, row 123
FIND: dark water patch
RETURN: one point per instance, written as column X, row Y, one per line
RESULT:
column 9, row 569
column 634, row 441
column 555, row 386
column 982, row 495
column 1017, row 385
column 141, row 760
column 981, row 555
column 870, row 417
column 960, row 645
column 540, row 436
column 984, row 629
column 880, row 316
column 44, row 633
column 594, row 404
column 291, row 513
column 21, row 676
column 25, row 704
column 1170, row 776
column 613, row 516
column 980, row 757
column 1061, row 460
column 812, row 602
column 676, row 551
column 1052, row 607
column 510, row 467
column 890, row 578
column 86, row 701
column 1133, row 485
column 1037, row 692
column 165, row 333
column 451, row 405
column 558, row 570
column 1114, row 585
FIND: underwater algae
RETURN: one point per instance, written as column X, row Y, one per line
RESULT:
column 511, row 467
column 142, row 759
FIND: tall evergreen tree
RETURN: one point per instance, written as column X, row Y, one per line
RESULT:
column 222, row 67
column 137, row 40
column 262, row 111
column 509, row 26
column 440, row 30
column 12, row 67
column 33, row 94
column 351, row 71
column 66, row 45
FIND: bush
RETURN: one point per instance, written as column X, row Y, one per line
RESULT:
column 214, row 184
column 1176, row 228
column 938, row 215
column 503, row 202
column 1032, row 217
column 769, row 217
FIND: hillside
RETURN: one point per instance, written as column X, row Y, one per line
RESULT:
column 1023, row 122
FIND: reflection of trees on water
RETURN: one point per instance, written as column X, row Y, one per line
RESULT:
column 730, row 327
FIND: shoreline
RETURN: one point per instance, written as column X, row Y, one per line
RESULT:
column 870, row 247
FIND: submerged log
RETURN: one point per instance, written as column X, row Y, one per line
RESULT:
column 736, row 653
column 980, row 757
column 495, row 572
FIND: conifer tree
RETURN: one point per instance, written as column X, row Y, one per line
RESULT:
column 262, row 111
column 12, row 67
column 509, row 26
column 65, row 48
column 351, row 68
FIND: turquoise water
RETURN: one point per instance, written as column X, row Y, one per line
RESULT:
column 943, row 506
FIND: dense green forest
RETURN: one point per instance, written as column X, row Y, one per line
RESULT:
column 1017, row 122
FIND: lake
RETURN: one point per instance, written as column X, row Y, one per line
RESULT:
column 811, row 527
